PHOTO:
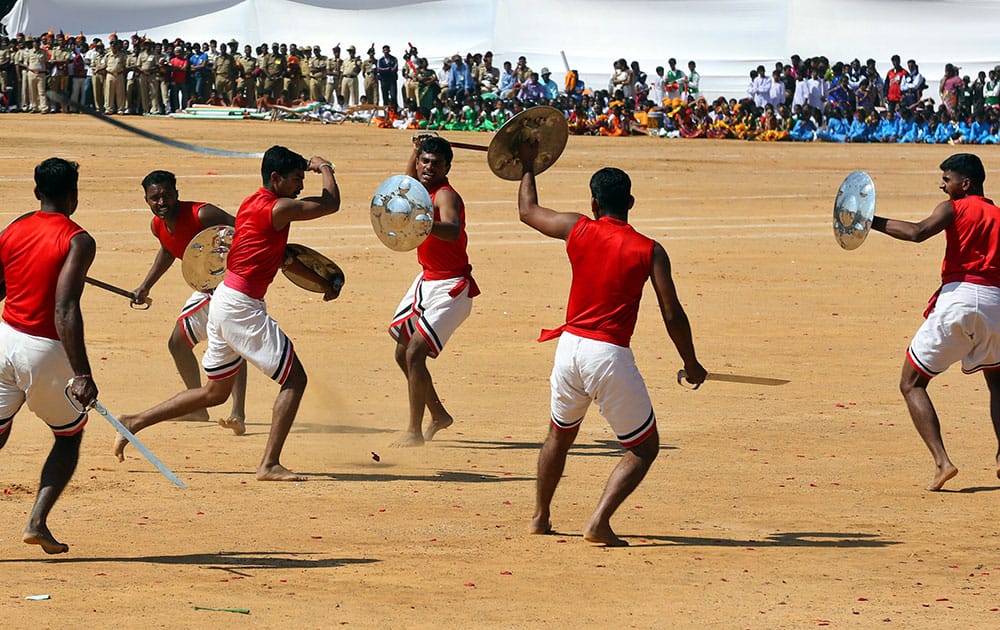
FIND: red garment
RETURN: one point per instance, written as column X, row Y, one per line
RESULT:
column 258, row 250
column 441, row 259
column 178, row 70
column 973, row 250
column 611, row 263
column 893, row 78
column 186, row 227
column 33, row 250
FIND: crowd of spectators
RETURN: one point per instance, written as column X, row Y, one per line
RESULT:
column 799, row 100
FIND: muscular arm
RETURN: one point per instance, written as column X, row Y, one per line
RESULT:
column 328, row 202
column 938, row 220
column 69, row 320
column 547, row 221
column 210, row 216
column 674, row 317
column 448, row 227
column 164, row 259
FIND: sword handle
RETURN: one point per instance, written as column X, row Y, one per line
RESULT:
column 683, row 382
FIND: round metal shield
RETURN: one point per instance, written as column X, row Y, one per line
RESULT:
column 322, row 275
column 204, row 262
column 544, row 125
column 854, row 209
column 402, row 213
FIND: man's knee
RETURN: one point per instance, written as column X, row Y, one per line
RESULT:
column 649, row 448
column 178, row 343
column 417, row 351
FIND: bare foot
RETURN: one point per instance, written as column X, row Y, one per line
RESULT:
column 540, row 525
column 43, row 538
column 407, row 440
column 602, row 534
column 196, row 416
column 442, row 422
column 236, row 423
column 119, row 446
column 277, row 473
column 943, row 475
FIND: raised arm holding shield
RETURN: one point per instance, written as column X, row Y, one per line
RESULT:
column 963, row 317
column 239, row 327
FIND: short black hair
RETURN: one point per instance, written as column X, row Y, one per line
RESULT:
column 612, row 188
column 437, row 146
column 55, row 178
column 159, row 178
column 282, row 161
column 966, row 165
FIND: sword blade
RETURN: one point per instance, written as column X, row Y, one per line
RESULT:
column 746, row 380
column 732, row 378
column 138, row 445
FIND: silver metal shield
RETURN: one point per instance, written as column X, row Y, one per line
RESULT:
column 204, row 262
column 854, row 209
column 402, row 213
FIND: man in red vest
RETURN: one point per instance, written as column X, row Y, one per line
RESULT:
column 611, row 263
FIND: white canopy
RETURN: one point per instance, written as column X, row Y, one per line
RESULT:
column 727, row 38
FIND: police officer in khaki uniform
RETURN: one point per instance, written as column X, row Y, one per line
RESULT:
column 132, row 77
column 59, row 57
column 100, row 74
column 21, row 63
column 225, row 71
column 317, row 74
column 246, row 82
column 369, row 68
column 149, row 87
column 37, row 65
column 6, row 66
column 274, row 68
column 334, row 74
column 349, row 81
column 115, row 65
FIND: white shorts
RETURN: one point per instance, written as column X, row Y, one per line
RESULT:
column 193, row 318
column 963, row 326
column 239, row 328
column 35, row 370
column 428, row 309
column 586, row 370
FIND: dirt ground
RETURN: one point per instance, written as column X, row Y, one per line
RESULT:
column 770, row 507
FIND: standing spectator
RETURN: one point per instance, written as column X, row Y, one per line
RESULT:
column 776, row 95
column 388, row 74
column 460, row 82
column 197, row 73
column 949, row 89
column 225, row 71
column 178, row 80
column 349, row 77
column 37, row 65
column 77, row 76
column 658, row 87
column 761, row 87
column 551, row 87
column 369, row 68
column 692, row 83
column 991, row 91
column 59, row 57
column 913, row 85
column 675, row 81
column 894, row 84
column 149, row 87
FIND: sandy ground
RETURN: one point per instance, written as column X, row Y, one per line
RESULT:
column 770, row 507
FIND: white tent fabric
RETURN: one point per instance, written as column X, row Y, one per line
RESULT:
column 727, row 38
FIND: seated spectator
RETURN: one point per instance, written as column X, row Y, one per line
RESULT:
column 550, row 86
column 531, row 92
